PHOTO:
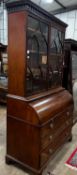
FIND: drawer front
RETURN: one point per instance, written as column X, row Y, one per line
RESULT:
column 56, row 123
column 47, row 140
column 57, row 142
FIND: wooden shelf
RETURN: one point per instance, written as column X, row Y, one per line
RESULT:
column 34, row 51
column 53, row 54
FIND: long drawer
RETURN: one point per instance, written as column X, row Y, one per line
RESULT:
column 47, row 140
column 53, row 125
column 57, row 142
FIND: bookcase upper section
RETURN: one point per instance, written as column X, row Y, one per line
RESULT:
column 36, row 49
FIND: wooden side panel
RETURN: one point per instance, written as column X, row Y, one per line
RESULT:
column 17, row 52
column 22, row 111
column 23, row 142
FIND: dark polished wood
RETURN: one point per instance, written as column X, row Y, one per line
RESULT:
column 17, row 62
column 39, row 110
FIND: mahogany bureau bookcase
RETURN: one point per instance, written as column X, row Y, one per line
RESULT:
column 39, row 110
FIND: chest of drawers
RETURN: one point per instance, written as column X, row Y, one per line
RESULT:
column 55, row 133
column 37, row 129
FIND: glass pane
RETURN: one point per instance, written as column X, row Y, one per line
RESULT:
column 57, row 38
column 37, row 50
column 74, row 66
column 55, row 71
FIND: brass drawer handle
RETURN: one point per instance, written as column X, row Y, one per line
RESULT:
column 68, row 113
column 50, row 151
column 51, row 125
column 50, row 137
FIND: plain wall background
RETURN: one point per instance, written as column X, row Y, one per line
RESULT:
column 71, row 19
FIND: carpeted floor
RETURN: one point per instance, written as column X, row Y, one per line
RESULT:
column 57, row 165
